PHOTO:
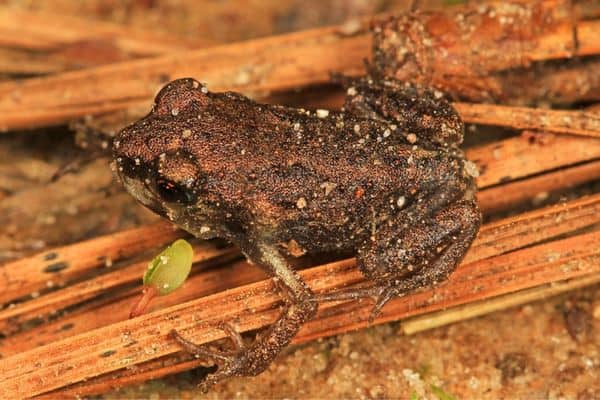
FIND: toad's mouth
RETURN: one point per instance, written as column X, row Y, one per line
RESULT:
column 142, row 194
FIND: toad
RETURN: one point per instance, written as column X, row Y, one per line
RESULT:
column 384, row 179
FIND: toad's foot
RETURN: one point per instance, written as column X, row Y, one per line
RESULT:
column 230, row 363
column 252, row 359
column 379, row 294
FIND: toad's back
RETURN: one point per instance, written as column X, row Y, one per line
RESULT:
column 303, row 174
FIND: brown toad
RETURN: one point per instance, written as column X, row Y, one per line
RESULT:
column 384, row 179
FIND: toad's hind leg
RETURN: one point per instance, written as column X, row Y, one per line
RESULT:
column 252, row 359
column 413, row 109
column 405, row 258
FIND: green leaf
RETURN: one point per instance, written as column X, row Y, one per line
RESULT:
column 439, row 392
column 414, row 396
column 168, row 270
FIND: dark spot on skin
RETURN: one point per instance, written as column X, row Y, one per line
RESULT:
column 108, row 353
column 50, row 256
column 505, row 179
column 56, row 267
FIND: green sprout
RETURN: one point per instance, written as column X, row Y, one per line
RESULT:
column 166, row 272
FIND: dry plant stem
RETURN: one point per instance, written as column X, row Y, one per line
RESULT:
column 35, row 30
column 172, row 365
column 436, row 319
column 39, row 307
column 58, row 266
column 48, row 43
column 556, row 83
column 142, row 373
column 561, row 83
column 533, row 227
column 586, row 123
column 519, row 157
column 115, row 308
column 271, row 64
column 141, row 305
column 503, row 197
column 275, row 63
column 465, row 51
column 138, row 340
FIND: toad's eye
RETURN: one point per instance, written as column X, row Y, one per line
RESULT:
column 172, row 192
column 177, row 177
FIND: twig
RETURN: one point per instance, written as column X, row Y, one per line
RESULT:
column 11, row 317
column 424, row 322
column 275, row 63
column 465, row 51
column 522, row 156
column 37, row 42
column 494, row 239
column 58, row 266
column 503, row 197
column 586, row 123
column 115, row 306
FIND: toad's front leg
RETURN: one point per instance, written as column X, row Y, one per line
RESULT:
column 252, row 359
